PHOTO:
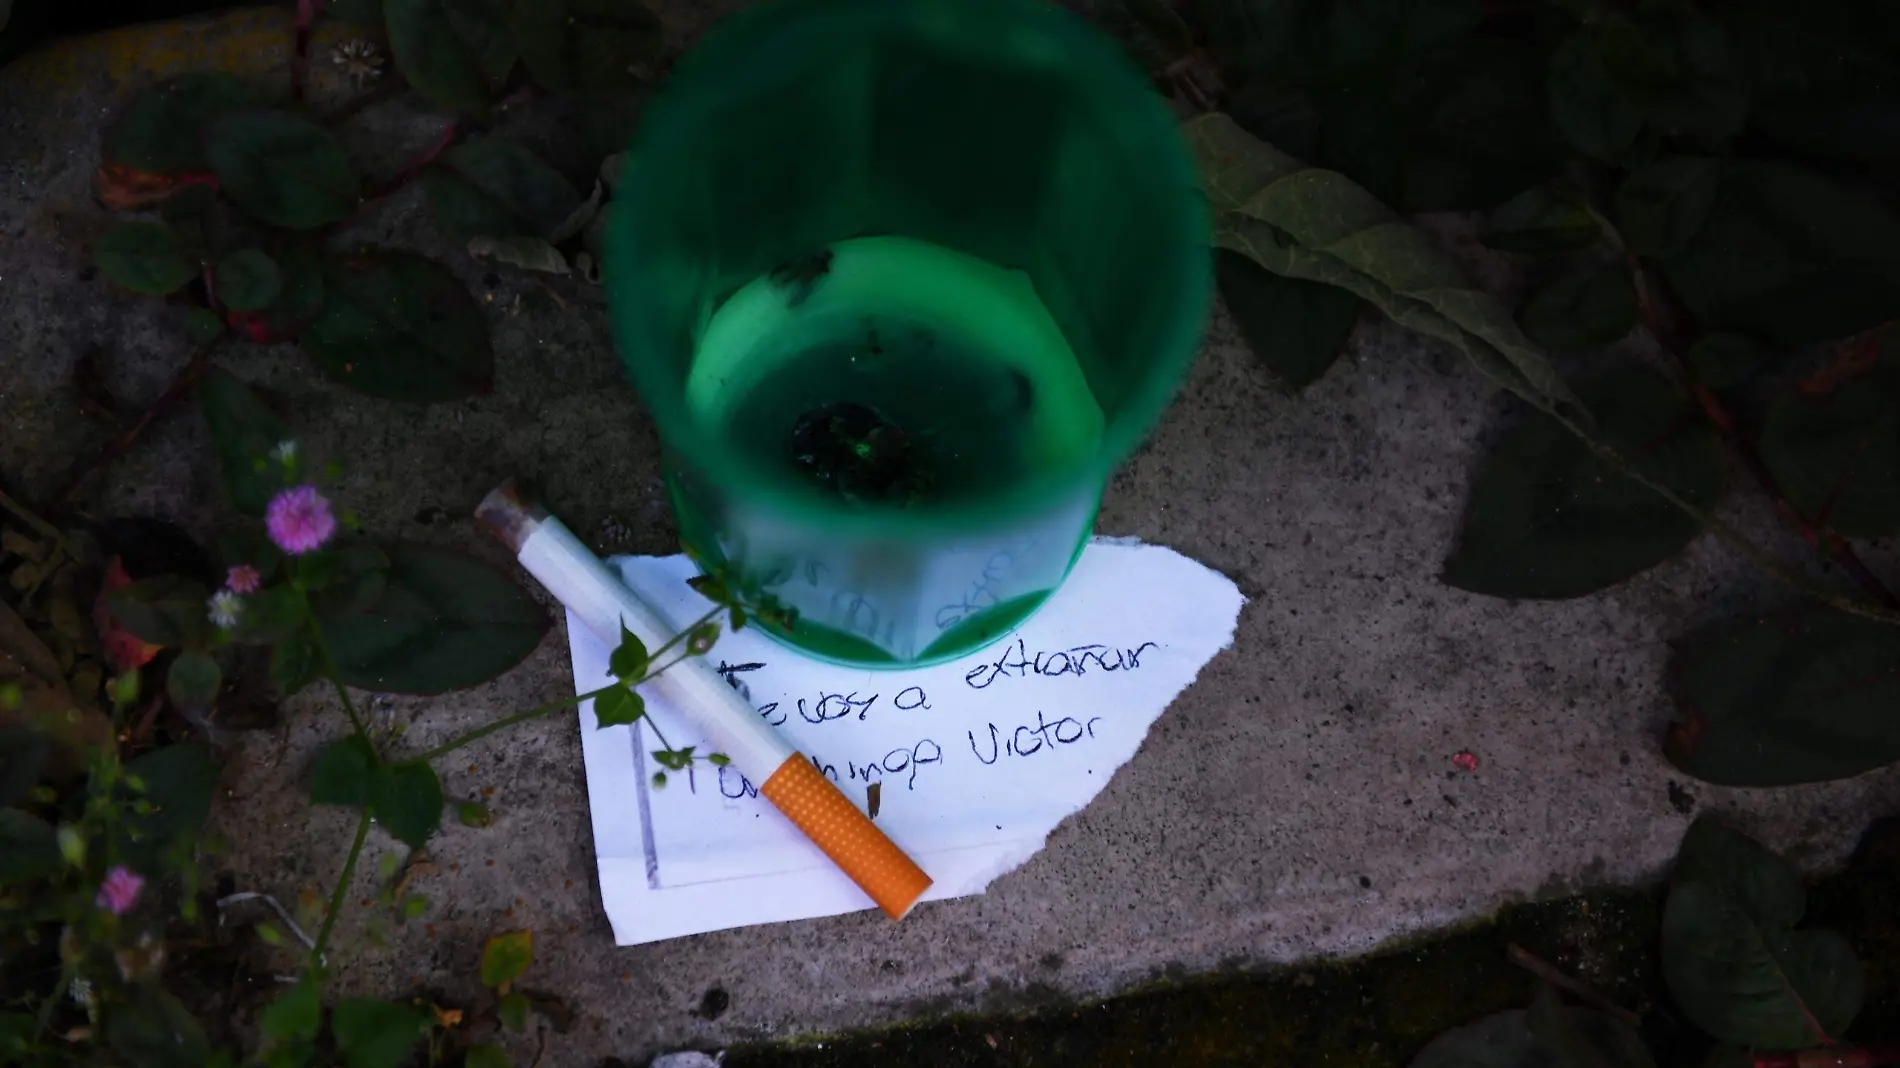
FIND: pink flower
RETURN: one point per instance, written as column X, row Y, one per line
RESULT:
column 1466, row 761
column 120, row 890
column 243, row 579
column 299, row 520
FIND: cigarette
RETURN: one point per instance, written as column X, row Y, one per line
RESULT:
column 577, row 578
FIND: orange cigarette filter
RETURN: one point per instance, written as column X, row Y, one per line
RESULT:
column 852, row 842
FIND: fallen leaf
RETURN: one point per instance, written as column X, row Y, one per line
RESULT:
column 530, row 253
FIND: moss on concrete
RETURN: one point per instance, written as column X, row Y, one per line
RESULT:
column 1377, row 1011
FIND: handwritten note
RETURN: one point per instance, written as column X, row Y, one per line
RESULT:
column 974, row 762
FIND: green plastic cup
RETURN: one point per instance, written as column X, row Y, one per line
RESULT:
column 901, row 281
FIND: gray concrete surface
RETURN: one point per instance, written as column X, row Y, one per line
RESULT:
column 1299, row 799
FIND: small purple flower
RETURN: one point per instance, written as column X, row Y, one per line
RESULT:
column 120, row 890
column 243, row 579
column 299, row 520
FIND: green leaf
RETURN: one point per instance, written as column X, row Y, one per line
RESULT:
column 512, row 1010
column 506, row 956
column 152, row 1029
column 1661, row 206
column 1547, row 518
column 1724, row 361
column 485, row 1056
column 162, row 130
column 1501, row 1040
column 1791, row 256
column 397, row 326
column 293, row 664
column 144, row 258
column 1835, row 454
column 346, row 580
column 1584, row 1038
column 496, row 188
column 1538, row 222
column 163, row 610
column 248, row 280
column 180, row 783
column 617, row 707
column 193, row 681
column 295, row 1016
column 407, row 800
column 1766, row 885
column 445, row 622
column 413, row 906
column 302, row 297
column 455, row 52
column 1823, row 80
column 29, row 847
column 1599, row 116
column 282, row 168
column 1786, row 699
column 203, row 325
column 244, row 430
column 344, row 773
column 1302, row 222
column 376, row 1034
column 474, row 814
column 1297, row 328
column 269, row 617
column 1706, row 102
column 22, row 754
column 629, row 661
column 1583, row 310
column 1733, row 961
column 586, row 45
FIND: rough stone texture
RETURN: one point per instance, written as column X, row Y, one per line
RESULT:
column 1299, row 799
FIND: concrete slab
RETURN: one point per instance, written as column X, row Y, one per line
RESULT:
column 1300, row 799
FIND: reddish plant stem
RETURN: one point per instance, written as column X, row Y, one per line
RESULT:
column 413, row 169
column 1549, row 973
column 300, row 49
column 180, row 388
column 1661, row 326
column 1832, row 1057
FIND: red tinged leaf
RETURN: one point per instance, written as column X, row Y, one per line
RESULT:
column 123, row 649
column 120, row 188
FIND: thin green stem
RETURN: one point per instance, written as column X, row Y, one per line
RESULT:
column 336, row 680
column 682, row 636
column 657, row 733
column 342, row 887
column 505, row 722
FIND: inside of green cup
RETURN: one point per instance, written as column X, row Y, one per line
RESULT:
column 1007, row 130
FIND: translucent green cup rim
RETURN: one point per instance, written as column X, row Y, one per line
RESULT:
column 746, row 51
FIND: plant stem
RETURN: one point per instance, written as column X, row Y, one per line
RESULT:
column 330, row 672
column 300, row 48
column 1549, row 973
column 342, row 887
column 551, row 707
column 1735, row 539
column 451, row 132
column 505, row 722
column 680, row 637
column 1658, row 319
column 176, row 392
